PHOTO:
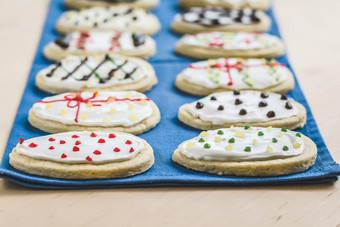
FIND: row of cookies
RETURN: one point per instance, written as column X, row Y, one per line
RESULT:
column 98, row 105
column 248, row 123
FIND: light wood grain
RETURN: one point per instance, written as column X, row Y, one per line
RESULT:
column 311, row 31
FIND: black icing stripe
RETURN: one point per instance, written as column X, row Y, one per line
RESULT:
column 75, row 69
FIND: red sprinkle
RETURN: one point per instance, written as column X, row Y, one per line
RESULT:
column 51, row 139
column 62, row 142
column 21, row 140
column 51, row 148
column 93, row 134
column 33, row 145
column 128, row 142
column 96, row 152
column 101, row 141
column 77, row 142
column 63, row 156
column 75, row 148
column 131, row 150
column 111, row 136
column 88, row 158
column 75, row 136
column 116, row 149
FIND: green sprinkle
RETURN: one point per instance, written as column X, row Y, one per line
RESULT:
column 274, row 140
column 298, row 134
column 283, row 129
column 260, row 133
column 247, row 149
column 285, row 148
column 246, row 127
column 232, row 140
column 220, row 132
column 207, row 146
column 201, row 140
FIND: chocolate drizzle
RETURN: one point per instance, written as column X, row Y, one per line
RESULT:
column 50, row 74
column 63, row 41
column 75, row 69
column 84, row 78
column 138, row 39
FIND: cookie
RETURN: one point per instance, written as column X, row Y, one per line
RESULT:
column 117, row 18
column 144, row 4
column 228, row 74
column 97, row 42
column 223, row 109
column 120, row 111
column 97, row 73
column 229, row 44
column 198, row 19
column 83, row 155
column 247, row 151
column 228, row 4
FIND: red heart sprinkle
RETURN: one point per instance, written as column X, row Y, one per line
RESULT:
column 131, row 150
column 96, row 152
column 51, row 139
column 111, row 136
column 101, row 141
column 63, row 156
column 77, row 142
column 128, row 142
column 62, row 142
column 51, row 148
column 88, row 158
column 93, row 134
column 75, row 148
column 33, row 145
column 75, row 136
column 21, row 140
column 116, row 149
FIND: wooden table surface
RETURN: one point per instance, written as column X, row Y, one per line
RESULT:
column 311, row 29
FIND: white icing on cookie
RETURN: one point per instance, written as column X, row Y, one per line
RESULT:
column 95, row 109
column 104, row 71
column 240, row 144
column 82, row 147
column 248, row 106
column 236, row 73
column 118, row 18
column 237, row 3
column 230, row 40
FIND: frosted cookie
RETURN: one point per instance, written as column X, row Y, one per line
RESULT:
column 229, row 4
column 218, row 19
column 117, row 18
column 96, row 42
column 122, row 111
column 223, row 109
column 83, row 155
column 229, row 44
column 228, row 74
column 144, row 4
column 94, row 73
column 247, row 151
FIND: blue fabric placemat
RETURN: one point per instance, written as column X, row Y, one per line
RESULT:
column 168, row 134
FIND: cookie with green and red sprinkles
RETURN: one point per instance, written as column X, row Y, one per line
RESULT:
column 247, row 151
column 83, row 155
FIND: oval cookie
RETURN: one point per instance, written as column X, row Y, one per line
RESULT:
column 200, row 19
column 117, row 18
column 228, row 4
column 83, row 155
column 122, row 111
column 96, row 42
column 247, row 151
column 220, row 110
column 227, row 74
column 144, row 4
column 94, row 73
column 228, row 44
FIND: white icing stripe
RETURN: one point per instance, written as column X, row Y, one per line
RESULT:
column 230, row 41
column 240, row 144
column 82, row 147
column 226, row 107
column 116, row 70
column 95, row 109
column 244, row 73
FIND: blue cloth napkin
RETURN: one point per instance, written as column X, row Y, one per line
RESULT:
column 169, row 133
